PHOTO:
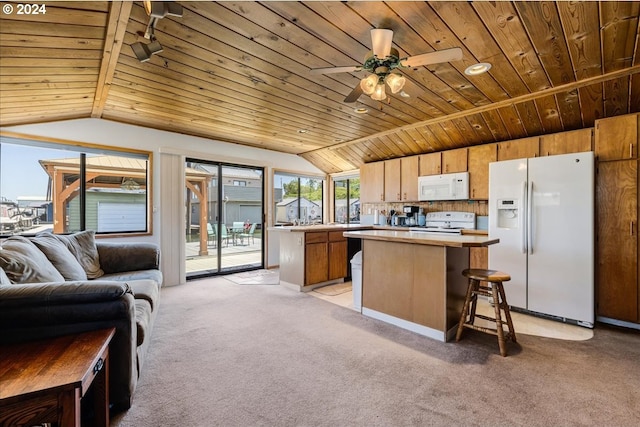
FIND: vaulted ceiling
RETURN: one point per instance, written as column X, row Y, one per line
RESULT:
column 240, row 72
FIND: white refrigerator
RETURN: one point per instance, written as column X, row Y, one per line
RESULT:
column 542, row 210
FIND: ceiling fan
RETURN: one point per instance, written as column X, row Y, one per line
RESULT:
column 382, row 62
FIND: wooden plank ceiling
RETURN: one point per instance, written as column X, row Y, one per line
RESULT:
column 239, row 72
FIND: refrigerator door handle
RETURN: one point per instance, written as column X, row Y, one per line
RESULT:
column 523, row 225
column 530, row 218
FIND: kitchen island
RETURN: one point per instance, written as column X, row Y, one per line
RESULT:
column 315, row 255
column 414, row 279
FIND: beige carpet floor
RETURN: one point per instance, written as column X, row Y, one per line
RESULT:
column 228, row 355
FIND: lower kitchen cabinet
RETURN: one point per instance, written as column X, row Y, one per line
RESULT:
column 316, row 258
column 337, row 255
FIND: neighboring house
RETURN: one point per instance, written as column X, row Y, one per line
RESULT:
column 353, row 211
column 287, row 210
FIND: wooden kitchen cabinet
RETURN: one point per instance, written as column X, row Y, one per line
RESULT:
column 617, row 137
column 392, row 181
column 479, row 158
column 523, row 148
column 409, row 178
column 430, row 164
column 401, row 179
column 372, row 182
column 617, row 243
column 575, row 141
column 454, row 160
column 316, row 257
column 338, row 257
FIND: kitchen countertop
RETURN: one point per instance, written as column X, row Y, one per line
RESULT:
column 422, row 238
column 320, row 227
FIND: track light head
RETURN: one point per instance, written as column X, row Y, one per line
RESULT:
column 141, row 51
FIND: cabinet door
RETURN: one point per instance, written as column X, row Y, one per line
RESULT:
column 430, row 164
column 617, row 240
column 454, row 160
column 479, row 158
column 316, row 263
column 575, row 141
column 392, row 180
column 409, row 178
column 523, row 148
column 372, row 182
column 338, row 259
column 617, row 138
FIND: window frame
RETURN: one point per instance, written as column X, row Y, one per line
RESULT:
column 298, row 175
column 82, row 149
column 348, row 179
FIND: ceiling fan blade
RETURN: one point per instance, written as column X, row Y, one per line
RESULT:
column 381, row 42
column 447, row 55
column 354, row 95
column 333, row 70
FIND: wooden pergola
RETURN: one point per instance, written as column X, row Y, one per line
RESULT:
column 113, row 172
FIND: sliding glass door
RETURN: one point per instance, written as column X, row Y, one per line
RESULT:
column 224, row 218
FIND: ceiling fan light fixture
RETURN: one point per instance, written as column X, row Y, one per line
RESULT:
column 479, row 68
column 396, row 82
column 379, row 93
column 369, row 83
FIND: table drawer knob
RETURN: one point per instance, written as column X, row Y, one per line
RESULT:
column 99, row 365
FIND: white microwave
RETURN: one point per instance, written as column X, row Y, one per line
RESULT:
column 450, row 186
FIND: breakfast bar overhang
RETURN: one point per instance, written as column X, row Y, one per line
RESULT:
column 414, row 279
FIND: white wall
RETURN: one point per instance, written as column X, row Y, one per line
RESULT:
column 165, row 145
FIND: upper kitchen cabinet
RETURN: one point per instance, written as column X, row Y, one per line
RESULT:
column 454, row 160
column 575, row 141
column 479, row 158
column 524, row 148
column 617, row 137
column 401, row 179
column 372, row 182
column 430, row 164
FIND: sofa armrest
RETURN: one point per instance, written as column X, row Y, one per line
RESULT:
column 128, row 256
column 61, row 293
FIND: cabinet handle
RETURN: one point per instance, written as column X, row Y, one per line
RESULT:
column 631, row 151
column 631, row 227
column 398, row 196
column 405, row 196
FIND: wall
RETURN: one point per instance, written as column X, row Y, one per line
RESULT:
column 169, row 151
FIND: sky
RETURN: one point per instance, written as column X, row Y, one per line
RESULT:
column 20, row 172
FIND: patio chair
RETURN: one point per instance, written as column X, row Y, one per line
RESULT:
column 211, row 235
column 224, row 237
column 249, row 233
column 237, row 229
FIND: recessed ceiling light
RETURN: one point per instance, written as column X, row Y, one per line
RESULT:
column 338, row 140
column 302, row 131
column 476, row 69
column 361, row 110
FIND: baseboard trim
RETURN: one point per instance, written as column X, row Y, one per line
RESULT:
column 616, row 322
column 405, row 324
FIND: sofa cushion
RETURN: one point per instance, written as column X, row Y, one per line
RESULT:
column 146, row 290
column 127, row 276
column 23, row 262
column 60, row 256
column 83, row 246
column 4, row 280
column 143, row 320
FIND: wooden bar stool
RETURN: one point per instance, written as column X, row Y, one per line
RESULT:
column 495, row 290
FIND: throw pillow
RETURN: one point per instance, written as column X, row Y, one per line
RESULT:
column 23, row 262
column 83, row 246
column 60, row 256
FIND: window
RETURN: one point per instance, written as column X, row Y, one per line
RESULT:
column 346, row 200
column 65, row 188
column 240, row 183
column 297, row 198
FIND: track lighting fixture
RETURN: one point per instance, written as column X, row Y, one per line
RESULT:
column 156, row 10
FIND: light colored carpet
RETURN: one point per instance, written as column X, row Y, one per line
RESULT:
column 228, row 355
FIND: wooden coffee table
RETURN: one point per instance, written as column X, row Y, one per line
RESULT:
column 43, row 381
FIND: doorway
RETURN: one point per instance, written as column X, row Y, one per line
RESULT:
column 224, row 218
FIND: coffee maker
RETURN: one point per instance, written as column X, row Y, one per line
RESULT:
column 411, row 212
